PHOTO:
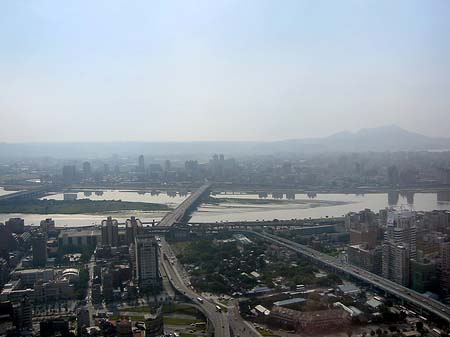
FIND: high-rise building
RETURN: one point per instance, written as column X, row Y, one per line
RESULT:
column 7, row 241
column 87, row 170
column 69, row 174
column 167, row 165
column 147, row 266
column 23, row 314
column 399, row 246
column 107, row 285
column 424, row 275
column 15, row 225
column 47, row 225
column 83, row 320
column 133, row 227
column 110, row 232
column 39, row 245
column 141, row 164
column 444, row 252
column 364, row 257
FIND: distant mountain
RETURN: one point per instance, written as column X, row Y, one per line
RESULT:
column 386, row 138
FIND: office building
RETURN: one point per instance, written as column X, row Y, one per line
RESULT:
column 147, row 266
column 110, row 232
column 39, row 246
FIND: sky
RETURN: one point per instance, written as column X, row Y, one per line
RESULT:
column 221, row 70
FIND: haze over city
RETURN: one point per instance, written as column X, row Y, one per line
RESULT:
column 230, row 168
column 221, row 70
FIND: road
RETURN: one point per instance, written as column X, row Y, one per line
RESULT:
column 238, row 325
column 225, row 321
column 180, row 282
column 178, row 213
column 437, row 308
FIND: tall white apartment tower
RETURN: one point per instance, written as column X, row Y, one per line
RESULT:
column 399, row 246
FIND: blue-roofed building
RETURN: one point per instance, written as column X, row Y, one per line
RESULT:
column 259, row 291
column 289, row 302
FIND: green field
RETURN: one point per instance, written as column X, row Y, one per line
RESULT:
column 180, row 321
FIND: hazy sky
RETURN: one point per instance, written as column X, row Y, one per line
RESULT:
column 218, row 70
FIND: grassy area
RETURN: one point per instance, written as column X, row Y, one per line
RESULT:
column 184, row 309
column 267, row 333
column 144, row 309
column 133, row 318
column 180, row 321
column 76, row 206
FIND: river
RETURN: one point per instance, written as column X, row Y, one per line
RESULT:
column 74, row 220
column 234, row 209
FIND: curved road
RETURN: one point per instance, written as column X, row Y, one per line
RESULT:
column 218, row 319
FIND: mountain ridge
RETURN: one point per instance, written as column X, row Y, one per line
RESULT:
column 379, row 139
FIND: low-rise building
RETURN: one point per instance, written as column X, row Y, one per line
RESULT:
column 29, row 277
column 79, row 237
column 311, row 322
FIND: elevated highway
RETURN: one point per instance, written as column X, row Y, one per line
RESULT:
column 407, row 295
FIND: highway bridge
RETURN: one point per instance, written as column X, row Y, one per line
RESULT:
column 407, row 295
column 187, row 206
column 28, row 194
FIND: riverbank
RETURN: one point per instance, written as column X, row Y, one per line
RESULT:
column 36, row 206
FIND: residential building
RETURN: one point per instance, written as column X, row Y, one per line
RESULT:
column 363, row 257
column 110, row 232
column 133, row 227
column 399, row 246
column 147, row 266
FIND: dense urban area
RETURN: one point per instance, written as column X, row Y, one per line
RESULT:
column 147, row 269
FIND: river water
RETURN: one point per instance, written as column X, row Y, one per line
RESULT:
column 233, row 209
column 74, row 220
column 312, row 207
column 4, row 192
